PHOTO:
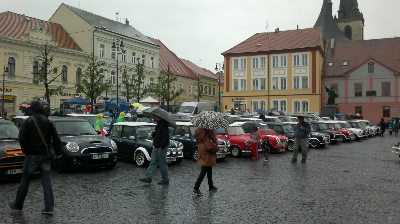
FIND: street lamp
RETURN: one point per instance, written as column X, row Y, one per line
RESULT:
column 218, row 69
column 2, row 103
column 118, row 48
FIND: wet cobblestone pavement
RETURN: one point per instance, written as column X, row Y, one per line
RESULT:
column 353, row 182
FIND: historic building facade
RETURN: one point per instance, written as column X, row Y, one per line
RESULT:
column 22, row 39
column 278, row 70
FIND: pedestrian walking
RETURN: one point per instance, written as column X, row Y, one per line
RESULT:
column 36, row 156
column 159, row 153
column 301, row 139
column 266, row 147
column 383, row 126
column 255, row 140
column 205, row 159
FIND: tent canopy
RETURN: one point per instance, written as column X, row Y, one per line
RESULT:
column 119, row 100
column 77, row 100
column 149, row 100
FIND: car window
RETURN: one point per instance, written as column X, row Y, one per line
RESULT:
column 8, row 131
column 181, row 130
column 144, row 132
column 116, row 131
column 220, row 131
column 128, row 132
column 314, row 126
column 236, row 131
column 287, row 128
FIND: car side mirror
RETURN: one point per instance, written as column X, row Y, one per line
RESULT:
column 132, row 137
column 226, row 136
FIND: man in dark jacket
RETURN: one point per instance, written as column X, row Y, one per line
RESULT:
column 36, row 156
column 159, row 153
column 383, row 126
column 301, row 132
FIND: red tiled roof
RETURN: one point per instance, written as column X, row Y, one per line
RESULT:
column 13, row 25
column 281, row 40
column 356, row 53
column 167, row 57
column 197, row 69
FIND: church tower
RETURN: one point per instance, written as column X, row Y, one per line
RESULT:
column 350, row 20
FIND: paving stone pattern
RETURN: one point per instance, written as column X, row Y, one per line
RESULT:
column 355, row 182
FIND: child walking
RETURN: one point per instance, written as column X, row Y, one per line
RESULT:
column 266, row 147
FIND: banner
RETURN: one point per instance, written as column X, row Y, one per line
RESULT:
column 7, row 97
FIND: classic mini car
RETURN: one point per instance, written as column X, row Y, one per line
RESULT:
column 83, row 146
column 285, row 130
column 358, row 126
column 92, row 118
column 11, row 156
column 240, row 142
column 347, row 135
column 376, row 128
column 372, row 130
column 134, row 143
column 184, row 133
column 334, row 136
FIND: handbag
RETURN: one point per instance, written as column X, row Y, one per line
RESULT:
column 51, row 154
column 210, row 146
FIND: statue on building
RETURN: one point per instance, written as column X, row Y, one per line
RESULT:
column 331, row 95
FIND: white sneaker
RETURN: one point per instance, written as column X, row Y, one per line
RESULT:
column 266, row 160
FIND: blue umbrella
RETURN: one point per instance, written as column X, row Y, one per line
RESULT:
column 119, row 100
column 77, row 100
column 261, row 111
column 339, row 115
column 281, row 113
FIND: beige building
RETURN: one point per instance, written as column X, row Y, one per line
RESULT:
column 97, row 35
column 21, row 40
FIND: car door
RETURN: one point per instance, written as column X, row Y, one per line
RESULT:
column 115, row 135
column 128, row 141
column 182, row 134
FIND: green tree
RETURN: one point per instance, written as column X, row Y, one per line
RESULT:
column 200, row 90
column 163, row 88
column 44, row 74
column 134, row 84
column 92, row 81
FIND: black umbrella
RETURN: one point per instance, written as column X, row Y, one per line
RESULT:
column 162, row 114
column 261, row 111
column 248, row 126
column 28, row 104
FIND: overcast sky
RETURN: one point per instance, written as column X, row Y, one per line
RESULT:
column 200, row 30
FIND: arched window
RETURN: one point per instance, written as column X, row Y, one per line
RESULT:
column 64, row 73
column 78, row 75
column 35, row 69
column 11, row 66
column 371, row 67
column 348, row 32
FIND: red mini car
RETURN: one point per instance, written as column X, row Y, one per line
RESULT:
column 278, row 142
column 240, row 142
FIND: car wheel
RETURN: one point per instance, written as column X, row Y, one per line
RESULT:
column 194, row 154
column 290, row 146
column 59, row 165
column 140, row 159
column 236, row 151
column 109, row 167
column 314, row 143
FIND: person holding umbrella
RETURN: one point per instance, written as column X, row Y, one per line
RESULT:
column 206, row 122
column 160, row 144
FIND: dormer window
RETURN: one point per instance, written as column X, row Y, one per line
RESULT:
column 330, row 64
column 345, row 63
column 371, row 67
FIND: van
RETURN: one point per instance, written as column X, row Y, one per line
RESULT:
column 193, row 108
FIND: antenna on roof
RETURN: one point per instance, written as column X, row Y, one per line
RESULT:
column 267, row 26
column 117, row 15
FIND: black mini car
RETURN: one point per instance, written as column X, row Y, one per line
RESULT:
column 283, row 129
column 11, row 156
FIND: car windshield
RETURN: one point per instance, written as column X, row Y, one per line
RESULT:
column 285, row 119
column 182, row 130
column 371, row 123
column 337, row 126
column 236, row 131
column 294, row 119
column 268, row 119
column 287, row 128
column 144, row 132
column 186, row 109
column 346, row 125
column 8, row 131
column 353, row 125
column 145, row 119
column 74, row 128
column 359, row 124
column 330, row 126
column 322, row 126
column 92, row 120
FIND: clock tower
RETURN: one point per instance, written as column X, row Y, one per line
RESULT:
column 350, row 20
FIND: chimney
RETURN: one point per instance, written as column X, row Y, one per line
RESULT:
column 127, row 22
column 332, row 42
column 297, row 26
column 277, row 30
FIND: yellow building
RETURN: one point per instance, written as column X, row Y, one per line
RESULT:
column 280, row 70
column 21, row 40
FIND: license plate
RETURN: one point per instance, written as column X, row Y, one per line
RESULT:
column 16, row 171
column 101, row 156
column 171, row 159
column 221, row 156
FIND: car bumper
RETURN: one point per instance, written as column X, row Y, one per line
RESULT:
column 10, row 171
column 92, row 159
column 174, row 158
column 396, row 150
column 222, row 155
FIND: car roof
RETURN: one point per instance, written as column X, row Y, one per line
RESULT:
column 2, row 121
column 55, row 118
column 20, row 117
column 184, row 123
column 289, row 122
column 82, row 115
column 134, row 124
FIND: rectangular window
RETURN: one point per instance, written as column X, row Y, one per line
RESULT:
column 263, row 83
column 275, row 83
column 386, row 111
column 102, row 50
column 296, row 106
column 213, row 91
column 113, row 53
column 283, row 83
column 144, row 60
column 275, row 104
column 113, row 80
column 385, row 89
column 262, row 105
column 236, row 84
column 296, row 60
column 371, row 67
column 283, row 61
column 133, row 58
column 123, row 57
column 296, row 82
column 305, row 106
column 255, row 63
column 357, row 90
column 263, row 62
column 275, row 61
column 283, row 106
column 255, row 84
column 304, row 82
column 243, row 63
column 243, row 84
column 174, row 86
column 152, row 62
column 305, row 59
column 358, row 110
column 180, row 86
column 235, row 64
column 190, row 89
column 143, row 83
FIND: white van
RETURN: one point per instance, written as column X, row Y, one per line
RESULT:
column 193, row 108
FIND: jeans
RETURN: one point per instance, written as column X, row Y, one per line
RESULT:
column 204, row 170
column 158, row 157
column 300, row 143
column 32, row 164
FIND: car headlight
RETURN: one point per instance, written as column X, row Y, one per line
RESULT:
column 114, row 145
column 261, row 141
column 169, row 151
column 72, row 146
column 246, row 143
column 278, row 140
column 229, row 144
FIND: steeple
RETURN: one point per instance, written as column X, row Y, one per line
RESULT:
column 328, row 25
column 350, row 20
column 348, row 9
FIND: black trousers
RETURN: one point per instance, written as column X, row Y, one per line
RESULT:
column 204, row 170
